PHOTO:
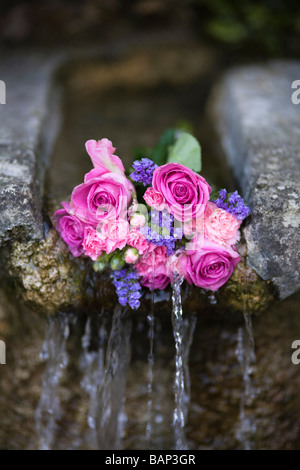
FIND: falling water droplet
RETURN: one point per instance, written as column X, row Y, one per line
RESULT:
column 212, row 299
column 54, row 352
column 183, row 335
column 245, row 353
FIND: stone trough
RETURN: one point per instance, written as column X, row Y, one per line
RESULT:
column 257, row 125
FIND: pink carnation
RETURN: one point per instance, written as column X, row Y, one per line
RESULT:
column 115, row 234
column 154, row 199
column 137, row 240
column 117, row 229
column 220, row 226
column 93, row 244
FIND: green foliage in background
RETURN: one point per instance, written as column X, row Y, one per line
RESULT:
column 270, row 26
column 160, row 152
column 174, row 146
column 187, row 151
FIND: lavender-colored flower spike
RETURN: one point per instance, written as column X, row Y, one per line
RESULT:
column 234, row 204
column 143, row 171
column 127, row 287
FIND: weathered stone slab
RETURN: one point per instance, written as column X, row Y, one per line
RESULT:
column 259, row 128
column 28, row 124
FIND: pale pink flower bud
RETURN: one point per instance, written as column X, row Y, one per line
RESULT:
column 131, row 255
column 137, row 220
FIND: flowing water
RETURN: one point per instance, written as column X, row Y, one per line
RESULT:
column 245, row 352
column 225, row 408
column 189, row 325
column 54, row 352
column 110, row 418
column 92, row 365
column 103, row 367
column 183, row 334
column 151, row 324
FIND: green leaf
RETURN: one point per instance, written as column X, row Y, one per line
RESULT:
column 230, row 31
column 186, row 151
column 160, row 152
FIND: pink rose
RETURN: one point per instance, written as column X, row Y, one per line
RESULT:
column 131, row 255
column 94, row 243
column 71, row 229
column 102, row 197
column 158, row 280
column 209, row 267
column 137, row 240
column 185, row 192
column 220, row 226
column 101, row 153
column 154, row 199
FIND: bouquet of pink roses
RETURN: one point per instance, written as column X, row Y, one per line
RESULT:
column 177, row 230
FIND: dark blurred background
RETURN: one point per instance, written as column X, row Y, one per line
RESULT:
column 250, row 28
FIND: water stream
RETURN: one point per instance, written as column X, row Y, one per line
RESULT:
column 103, row 363
column 54, row 352
column 189, row 325
column 245, row 352
column 150, row 320
column 92, row 365
column 110, row 418
column 183, row 335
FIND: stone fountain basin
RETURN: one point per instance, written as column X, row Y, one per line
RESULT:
column 255, row 124
column 38, row 270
